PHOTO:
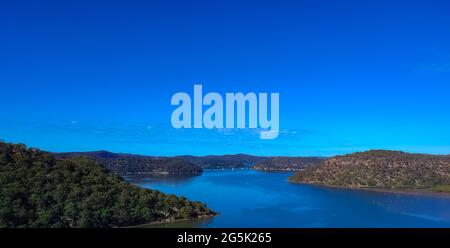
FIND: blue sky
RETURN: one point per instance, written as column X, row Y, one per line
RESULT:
column 352, row 75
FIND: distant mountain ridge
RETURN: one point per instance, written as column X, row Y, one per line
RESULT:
column 287, row 163
column 130, row 164
column 380, row 169
column 223, row 161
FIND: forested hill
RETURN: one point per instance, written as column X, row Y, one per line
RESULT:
column 381, row 169
column 287, row 163
column 223, row 161
column 38, row 190
column 180, row 165
column 126, row 164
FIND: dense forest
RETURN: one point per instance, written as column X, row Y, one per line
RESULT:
column 38, row 190
column 223, row 161
column 381, row 169
column 129, row 164
column 286, row 163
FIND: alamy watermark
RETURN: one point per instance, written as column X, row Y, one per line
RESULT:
column 235, row 111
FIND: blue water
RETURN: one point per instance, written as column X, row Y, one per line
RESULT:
column 248, row 198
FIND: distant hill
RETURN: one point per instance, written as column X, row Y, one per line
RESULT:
column 126, row 164
column 287, row 163
column 223, row 161
column 129, row 164
column 38, row 190
column 380, row 169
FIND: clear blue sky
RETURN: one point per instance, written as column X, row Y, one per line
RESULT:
column 352, row 75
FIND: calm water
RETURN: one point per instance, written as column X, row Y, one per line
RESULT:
column 248, row 198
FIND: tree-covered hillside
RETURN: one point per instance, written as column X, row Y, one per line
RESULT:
column 130, row 164
column 223, row 161
column 287, row 163
column 381, row 169
column 38, row 190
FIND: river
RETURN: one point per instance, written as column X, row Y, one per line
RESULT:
column 249, row 198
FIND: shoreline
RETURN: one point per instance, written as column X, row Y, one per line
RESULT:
column 169, row 221
column 418, row 192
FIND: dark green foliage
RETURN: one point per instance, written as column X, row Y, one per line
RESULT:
column 38, row 190
column 380, row 169
column 223, row 161
column 287, row 163
column 129, row 164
